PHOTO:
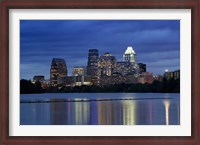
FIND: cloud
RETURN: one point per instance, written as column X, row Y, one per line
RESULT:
column 42, row 40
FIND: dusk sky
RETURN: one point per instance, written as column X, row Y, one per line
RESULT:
column 156, row 43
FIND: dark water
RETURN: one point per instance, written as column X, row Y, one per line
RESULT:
column 100, row 109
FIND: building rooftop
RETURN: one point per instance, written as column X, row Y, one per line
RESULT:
column 129, row 50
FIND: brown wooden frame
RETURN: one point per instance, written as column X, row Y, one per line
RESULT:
column 194, row 5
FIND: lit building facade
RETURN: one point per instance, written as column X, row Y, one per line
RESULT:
column 177, row 74
column 129, row 65
column 172, row 74
column 126, row 68
column 79, row 71
column 81, row 80
column 106, row 64
column 38, row 78
column 92, row 65
column 129, row 55
column 146, row 77
column 58, row 72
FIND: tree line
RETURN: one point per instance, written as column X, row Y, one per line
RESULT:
column 165, row 86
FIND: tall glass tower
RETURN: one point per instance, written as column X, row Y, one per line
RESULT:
column 92, row 65
column 129, row 55
column 58, row 71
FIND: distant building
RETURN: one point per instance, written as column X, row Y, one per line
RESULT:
column 146, row 77
column 93, row 58
column 79, row 71
column 177, row 74
column 82, row 80
column 172, row 74
column 158, row 78
column 106, row 64
column 168, row 75
column 129, row 55
column 142, row 68
column 58, row 72
column 38, row 78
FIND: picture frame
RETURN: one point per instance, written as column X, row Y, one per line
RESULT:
column 89, row 4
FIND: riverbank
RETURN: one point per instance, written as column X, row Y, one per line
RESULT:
column 166, row 86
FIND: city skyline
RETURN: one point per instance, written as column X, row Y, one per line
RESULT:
column 156, row 43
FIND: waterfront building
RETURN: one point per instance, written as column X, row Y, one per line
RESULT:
column 81, row 80
column 158, row 78
column 38, row 78
column 58, row 71
column 142, row 68
column 79, row 71
column 93, row 58
column 168, row 75
column 177, row 74
column 45, row 84
column 172, row 74
column 129, row 55
column 106, row 64
column 146, row 77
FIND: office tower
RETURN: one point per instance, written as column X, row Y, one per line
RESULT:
column 93, row 58
column 79, row 71
column 129, row 55
column 106, row 64
column 142, row 67
column 58, row 72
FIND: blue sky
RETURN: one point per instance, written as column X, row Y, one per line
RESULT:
column 156, row 43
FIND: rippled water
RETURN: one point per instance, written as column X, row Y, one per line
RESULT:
column 100, row 109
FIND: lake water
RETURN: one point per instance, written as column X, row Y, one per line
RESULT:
column 100, row 109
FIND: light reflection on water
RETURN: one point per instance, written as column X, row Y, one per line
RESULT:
column 110, row 112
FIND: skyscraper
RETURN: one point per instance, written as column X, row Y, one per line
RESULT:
column 93, row 58
column 129, row 55
column 142, row 67
column 129, row 65
column 106, row 64
column 58, row 71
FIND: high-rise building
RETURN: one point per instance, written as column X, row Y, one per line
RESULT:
column 58, row 71
column 129, row 65
column 142, row 67
column 93, row 58
column 129, row 55
column 106, row 64
column 79, row 71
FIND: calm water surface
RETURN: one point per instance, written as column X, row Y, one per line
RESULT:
column 100, row 109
